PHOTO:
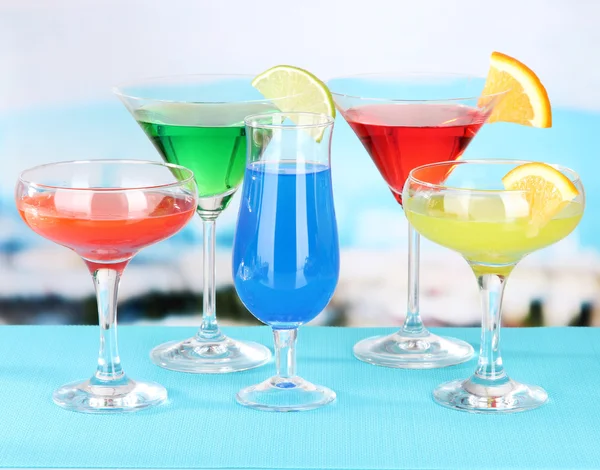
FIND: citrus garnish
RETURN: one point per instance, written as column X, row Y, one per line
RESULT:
column 547, row 190
column 295, row 90
column 526, row 100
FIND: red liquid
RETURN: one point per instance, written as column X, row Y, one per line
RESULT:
column 109, row 228
column 401, row 137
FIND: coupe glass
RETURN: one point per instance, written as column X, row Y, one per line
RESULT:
column 106, row 211
column 464, row 206
column 198, row 121
column 405, row 120
column 286, row 254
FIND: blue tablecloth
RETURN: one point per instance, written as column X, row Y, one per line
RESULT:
column 383, row 418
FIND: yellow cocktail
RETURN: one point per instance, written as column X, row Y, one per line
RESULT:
column 493, row 212
column 492, row 231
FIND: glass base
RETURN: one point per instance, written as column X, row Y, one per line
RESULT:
column 510, row 397
column 291, row 394
column 94, row 396
column 405, row 351
column 210, row 357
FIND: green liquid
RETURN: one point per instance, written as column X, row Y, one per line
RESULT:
column 209, row 139
column 216, row 155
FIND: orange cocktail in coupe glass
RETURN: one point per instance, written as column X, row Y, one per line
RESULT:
column 106, row 211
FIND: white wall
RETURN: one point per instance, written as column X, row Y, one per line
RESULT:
column 57, row 50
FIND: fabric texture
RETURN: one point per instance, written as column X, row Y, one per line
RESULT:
column 382, row 419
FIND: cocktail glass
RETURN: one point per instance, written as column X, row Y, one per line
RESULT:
column 403, row 121
column 198, row 121
column 106, row 211
column 493, row 229
column 286, row 254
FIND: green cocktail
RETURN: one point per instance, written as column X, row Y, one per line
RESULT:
column 216, row 155
column 198, row 122
column 208, row 139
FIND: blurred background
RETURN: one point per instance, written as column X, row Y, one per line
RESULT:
column 60, row 58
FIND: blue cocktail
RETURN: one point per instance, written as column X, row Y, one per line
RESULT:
column 286, row 253
column 286, row 250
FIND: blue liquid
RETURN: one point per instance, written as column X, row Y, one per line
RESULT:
column 286, row 254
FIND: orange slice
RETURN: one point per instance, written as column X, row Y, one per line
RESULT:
column 547, row 190
column 526, row 101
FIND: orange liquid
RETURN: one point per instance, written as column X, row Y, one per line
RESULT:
column 106, row 228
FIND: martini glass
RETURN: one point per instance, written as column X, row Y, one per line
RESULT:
column 493, row 229
column 106, row 211
column 198, row 121
column 403, row 121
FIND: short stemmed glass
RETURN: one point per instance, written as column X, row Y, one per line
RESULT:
column 198, row 121
column 286, row 252
column 405, row 120
column 106, row 211
column 493, row 229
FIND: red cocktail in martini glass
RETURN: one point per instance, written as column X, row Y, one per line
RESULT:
column 405, row 121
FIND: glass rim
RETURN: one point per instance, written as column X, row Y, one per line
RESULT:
column 408, row 75
column 120, row 90
column 571, row 174
column 252, row 120
column 28, row 182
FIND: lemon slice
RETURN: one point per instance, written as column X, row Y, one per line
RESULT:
column 526, row 100
column 547, row 190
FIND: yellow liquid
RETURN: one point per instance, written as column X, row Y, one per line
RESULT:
column 492, row 231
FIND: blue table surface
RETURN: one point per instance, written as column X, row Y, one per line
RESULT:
column 383, row 418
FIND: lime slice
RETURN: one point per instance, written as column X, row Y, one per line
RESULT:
column 295, row 90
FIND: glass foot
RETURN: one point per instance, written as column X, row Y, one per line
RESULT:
column 289, row 394
column 210, row 357
column 411, row 352
column 510, row 397
column 95, row 396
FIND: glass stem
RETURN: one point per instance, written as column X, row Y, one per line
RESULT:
column 106, row 281
column 285, row 352
column 209, row 330
column 413, row 325
column 489, row 367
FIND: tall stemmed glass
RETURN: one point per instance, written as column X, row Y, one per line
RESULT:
column 493, row 229
column 106, row 211
column 286, row 253
column 403, row 121
column 198, row 121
